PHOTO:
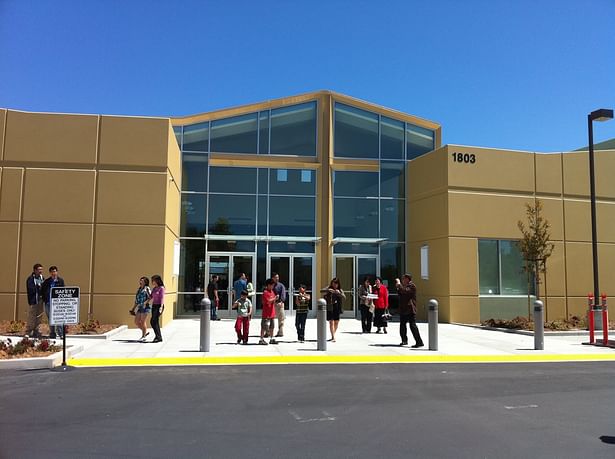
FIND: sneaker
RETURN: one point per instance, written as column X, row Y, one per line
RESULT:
column 417, row 345
column 403, row 343
column 263, row 342
column 279, row 335
column 385, row 331
column 273, row 341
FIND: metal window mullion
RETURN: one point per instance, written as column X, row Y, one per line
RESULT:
column 269, row 137
column 499, row 267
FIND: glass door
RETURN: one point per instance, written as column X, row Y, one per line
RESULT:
column 351, row 270
column 294, row 270
column 229, row 268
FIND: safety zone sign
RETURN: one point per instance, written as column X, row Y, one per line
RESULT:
column 64, row 306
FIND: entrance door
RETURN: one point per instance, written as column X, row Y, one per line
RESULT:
column 228, row 267
column 294, row 270
column 351, row 270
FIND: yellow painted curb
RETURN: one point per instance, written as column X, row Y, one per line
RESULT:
column 315, row 359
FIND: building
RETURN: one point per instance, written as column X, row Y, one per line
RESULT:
column 310, row 186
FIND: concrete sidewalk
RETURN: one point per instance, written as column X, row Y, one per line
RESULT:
column 456, row 344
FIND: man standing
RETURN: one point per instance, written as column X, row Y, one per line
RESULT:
column 239, row 286
column 212, row 294
column 406, row 289
column 52, row 281
column 280, row 292
column 35, row 300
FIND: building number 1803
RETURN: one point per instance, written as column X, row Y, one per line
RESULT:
column 468, row 158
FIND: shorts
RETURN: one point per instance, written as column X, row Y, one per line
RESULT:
column 141, row 309
column 267, row 325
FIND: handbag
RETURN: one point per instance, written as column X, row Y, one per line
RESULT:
column 387, row 315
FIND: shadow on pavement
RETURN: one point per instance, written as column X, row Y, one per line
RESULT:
column 607, row 439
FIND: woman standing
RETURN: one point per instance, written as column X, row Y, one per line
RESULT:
column 366, row 306
column 334, row 297
column 157, row 302
column 142, row 306
column 381, row 305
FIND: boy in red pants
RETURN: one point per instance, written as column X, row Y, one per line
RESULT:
column 244, row 312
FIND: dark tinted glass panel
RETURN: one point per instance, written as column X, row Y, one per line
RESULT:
column 488, row 267
column 194, row 172
column 347, row 247
column 514, row 279
column 234, row 135
column 293, row 247
column 418, row 141
column 350, row 183
column 391, row 138
column 263, row 133
column 293, row 130
column 392, row 219
column 392, row 263
column 261, row 272
column 263, row 181
column 232, row 180
column 178, row 135
column 392, row 179
column 230, row 246
column 232, row 215
column 292, row 181
column 356, row 133
column 193, row 215
column 292, row 216
column 355, row 217
column 189, row 304
column 262, row 215
column 192, row 265
column 196, row 137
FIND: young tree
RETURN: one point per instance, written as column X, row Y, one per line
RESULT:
column 535, row 245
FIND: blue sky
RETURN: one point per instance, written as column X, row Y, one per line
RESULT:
column 508, row 74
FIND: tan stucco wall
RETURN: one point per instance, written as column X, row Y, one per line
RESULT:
column 105, row 216
column 487, row 198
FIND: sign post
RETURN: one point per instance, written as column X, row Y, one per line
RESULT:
column 64, row 310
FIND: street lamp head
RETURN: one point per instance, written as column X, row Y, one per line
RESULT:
column 602, row 114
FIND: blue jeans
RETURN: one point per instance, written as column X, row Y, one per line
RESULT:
column 56, row 330
column 213, row 314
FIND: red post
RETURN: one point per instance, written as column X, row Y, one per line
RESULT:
column 605, row 321
column 590, row 317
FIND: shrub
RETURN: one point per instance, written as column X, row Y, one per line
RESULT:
column 16, row 327
column 90, row 326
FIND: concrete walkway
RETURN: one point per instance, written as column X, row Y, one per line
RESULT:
column 457, row 343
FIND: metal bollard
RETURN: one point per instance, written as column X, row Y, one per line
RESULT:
column 205, row 329
column 539, row 326
column 432, row 319
column 321, row 325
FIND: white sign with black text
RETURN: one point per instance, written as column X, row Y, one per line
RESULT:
column 64, row 306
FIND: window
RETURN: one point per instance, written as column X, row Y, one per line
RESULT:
column 393, row 179
column 232, row 215
column 391, row 138
column 418, row 141
column 292, row 216
column 232, row 180
column 196, row 137
column 194, row 172
column 355, row 184
column 392, row 219
column 356, row 133
column 293, row 130
column 355, row 217
column 177, row 130
column 291, row 182
column 501, row 269
column 234, row 135
column 425, row 262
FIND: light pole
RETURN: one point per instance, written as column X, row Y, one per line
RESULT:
column 602, row 114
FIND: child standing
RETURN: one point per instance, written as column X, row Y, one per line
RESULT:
column 302, row 306
column 244, row 312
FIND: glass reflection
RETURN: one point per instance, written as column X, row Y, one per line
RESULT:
column 392, row 219
column 192, row 265
column 355, row 217
column 392, row 179
column 293, row 130
column 232, row 215
column 292, row 182
column 354, row 184
column 196, row 137
column 391, row 138
column 194, row 172
column 292, row 216
column 392, row 261
column 418, row 141
column 263, row 133
column 355, row 132
column 234, row 135
column 232, row 180
column 193, row 215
